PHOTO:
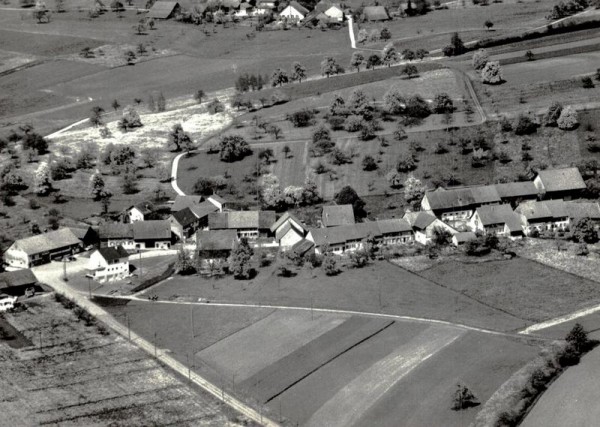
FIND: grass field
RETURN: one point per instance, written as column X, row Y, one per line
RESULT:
column 80, row 377
column 525, row 289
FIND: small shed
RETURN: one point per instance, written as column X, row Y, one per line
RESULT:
column 164, row 10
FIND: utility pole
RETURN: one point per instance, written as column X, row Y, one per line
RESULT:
column 141, row 267
column 65, row 278
column 192, row 320
column 128, row 327
column 90, row 286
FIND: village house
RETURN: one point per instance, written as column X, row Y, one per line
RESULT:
column 563, row 184
column 288, row 231
column 517, row 192
column 217, row 201
column 579, row 210
column 294, row 12
column 87, row 235
column 463, row 237
column 113, row 234
column 264, row 7
column 247, row 224
column 245, row 10
column 182, row 202
column 41, row 249
column 547, row 215
column 107, row 264
column 335, row 12
column 336, row 215
column 424, row 226
column 458, row 204
column 16, row 283
column 155, row 234
column 164, row 10
column 500, row 220
column 215, row 245
column 202, row 211
column 138, row 212
column 343, row 238
column 184, row 223
column 395, row 231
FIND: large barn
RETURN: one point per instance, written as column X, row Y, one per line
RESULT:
column 164, row 10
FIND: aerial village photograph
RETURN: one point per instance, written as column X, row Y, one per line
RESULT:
column 305, row 213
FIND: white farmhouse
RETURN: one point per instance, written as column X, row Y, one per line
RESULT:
column 335, row 12
column 288, row 231
column 294, row 11
column 424, row 225
column 108, row 264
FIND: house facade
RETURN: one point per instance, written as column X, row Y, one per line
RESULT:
column 500, row 220
column 216, row 245
column 288, row 231
column 565, row 184
column 247, row 224
column 155, row 234
column 138, row 212
column 183, row 223
column 294, row 12
column 108, row 264
column 424, row 225
column 42, row 249
column 458, row 204
column 547, row 215
column 335, row 13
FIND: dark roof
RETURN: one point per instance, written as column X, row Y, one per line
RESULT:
column 302, row 247
column 419, row 220
column 578, row 210
column 241, row 219
column 462, row 197
column 113, row 254
column 485, row 194
column 115, row 230
column 561, row 179
column 162, row 9
column 333, row 216
column 202, row 210
column 80, row 232
column 298, row 7
column 517, row 189
column 375, row 13
column 47, row 242
column 17, row 278
column 392, row 226
column 216, row 240
column 548, row 209
column 494, row 214
column 182, row 202
column 185, row 217
column 464, row 236
column 151, row 230
column 144, row 207
column 344, row 233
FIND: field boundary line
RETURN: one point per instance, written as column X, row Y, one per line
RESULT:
column 560, row 320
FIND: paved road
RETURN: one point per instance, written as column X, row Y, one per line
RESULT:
column 52, row 275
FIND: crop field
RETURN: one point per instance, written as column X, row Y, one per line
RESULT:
column 523, row 288
column 319, row 368
column 73, row 375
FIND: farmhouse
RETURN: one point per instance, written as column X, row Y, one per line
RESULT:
column 138, row 212
column 217, row 201
column 182, row 202
column 294, row 11
column 41, row 249
column 108, row 264
column 15, row 283
column 216, row 244
column 548, row 215
column 154, row 234
column 500, row 220
column 424, row 226
column 458, row 204
column 87, row 235
column 578, row 210
column 334, row 216
column 264, row 7
column 184, row 223
column 288, row 231
column 559, row 183
column 375, row 13
column 245, row 10
column 343, row 238
column 115, row 234
column 335, row 12
column 394, row 231
column 164, row 10
column 463, row 237
column 248, row 224
column 517, row 192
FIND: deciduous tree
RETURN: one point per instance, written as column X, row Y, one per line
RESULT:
column 357, row 60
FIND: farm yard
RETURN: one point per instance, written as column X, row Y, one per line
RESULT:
column 71, row 374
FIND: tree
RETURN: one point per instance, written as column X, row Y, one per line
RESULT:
column 130, row 57
column 488, row 24
column 271, row 195
column 358, row 102
column 529, row 55
column 389, row 55
column 199, row 96
column 421, row 53
column 357, row 60
column 286, row 151
column 408, row 54
column 34, row 141
column 233, row 147
column 385, row 34
column 130, row 120
column 184, row 264
column 115, row 105
column 329, row 66
column 348, row 196
column 179, row 138
column 97, row 186
column 320, row 134
column 129, row 181
column 96, row 117
column 239, row 260
column 394, row 179
column 587, row 83
column 568, row 119
column 393, row 101
column 442, row 103
column 417, row 107
column 161, row 103
column 121, row 159
column 298, row 72
column 410, row 70
column 400, row 133
column 524, row 125
column 457, row 44
column 329, row 265
column 273, row 130
column 362, row 36
column 369, row 163
column 12, row 183
column 266, row 155
column 553, row 113
column 578, row 338
column 405, row 163
column 463, row 398
column 43, row 179
column 373, row 61
column 279, row 77
column 584, row 231
column 480, row 58
column 441, row 236
column 492, row 73
column 105, row 197
column 413, row 190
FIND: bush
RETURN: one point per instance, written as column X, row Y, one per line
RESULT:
column 353, row 123
column 233, row 147
column 302, row 118
column 329, row 264
column 369, row 163
column 524, row 125
column 568, row 119
column 215, row 106
column 492, row 73
column 480, row 58
column 553, row 113
column 587, row 83
column 314, row 260
column 463, row 398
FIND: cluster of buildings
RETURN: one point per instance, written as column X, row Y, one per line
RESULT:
column 326, row 12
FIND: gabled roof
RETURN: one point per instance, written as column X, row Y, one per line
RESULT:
column 184, row 217
column 561, row 179
column 287, row 217
column 302, row 247
column 182, row 202
column 335, row 215
column 216, row 197
column 375, row 13
column 419, row 220
column 162, row 9
column 231, row 4
column 47, row 242
column 517, row 189
column 241, row 220
column 578, row 210
column 144, row 207
column 216, row 240
column 453, row 198
column 17, row 278
column 115, row 230
column 202, row 210
column 547, row 209
column 464, row 236
column 151, row 230
column 298, row 7
column 494, row 214
column 245, row 5
column 80, row 232
column 485, row 194
column 392, row 226
column 113, row 254
column 344, row 233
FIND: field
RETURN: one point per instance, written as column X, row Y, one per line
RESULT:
column 523, row 288
column 73, row 375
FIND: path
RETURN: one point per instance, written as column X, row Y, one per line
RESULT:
column 52, row 274
column 559, row 320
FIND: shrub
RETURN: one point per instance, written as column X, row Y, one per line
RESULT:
column 369, row 163
column 330, row 265
column 524, row 125
column 313, row 259
column 353, row 123
column 480, row 58
column 463, row 398
column 492, row 73
column 568, row 119
column 302, row 118
column 553, row 113
column 587, row 83
column 233, row 147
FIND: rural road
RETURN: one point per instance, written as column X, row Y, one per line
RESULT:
column 52, row 274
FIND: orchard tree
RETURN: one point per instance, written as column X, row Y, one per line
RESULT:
column 585, row 231
column 286, row 151
column 480, row 58
column 348, row 196
column 199, row 96
column 410, row 71
column 273, row 130
column 130, row 57
column 393, row 101
column 553, row 113
column 492, row 73
column 357, row 60
column 413, row 190
column 362, row 36
column 373, row 61
column 179, row 138
column 233, row 147
column 394, row 179
column 97, row 186
column 385, row 34
column 488, row 24
column 161, row 103
column 115, row 105
column 298, row 72
column 408, row 55
column 329, row 66
column 568, row 119
column 442, row 103
column 421, row 53
column 96, row 117
column 239, row 260
column 270, row 192
column 389, row 55
column 34, row 141
column 279, row 77
column 43, row 179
